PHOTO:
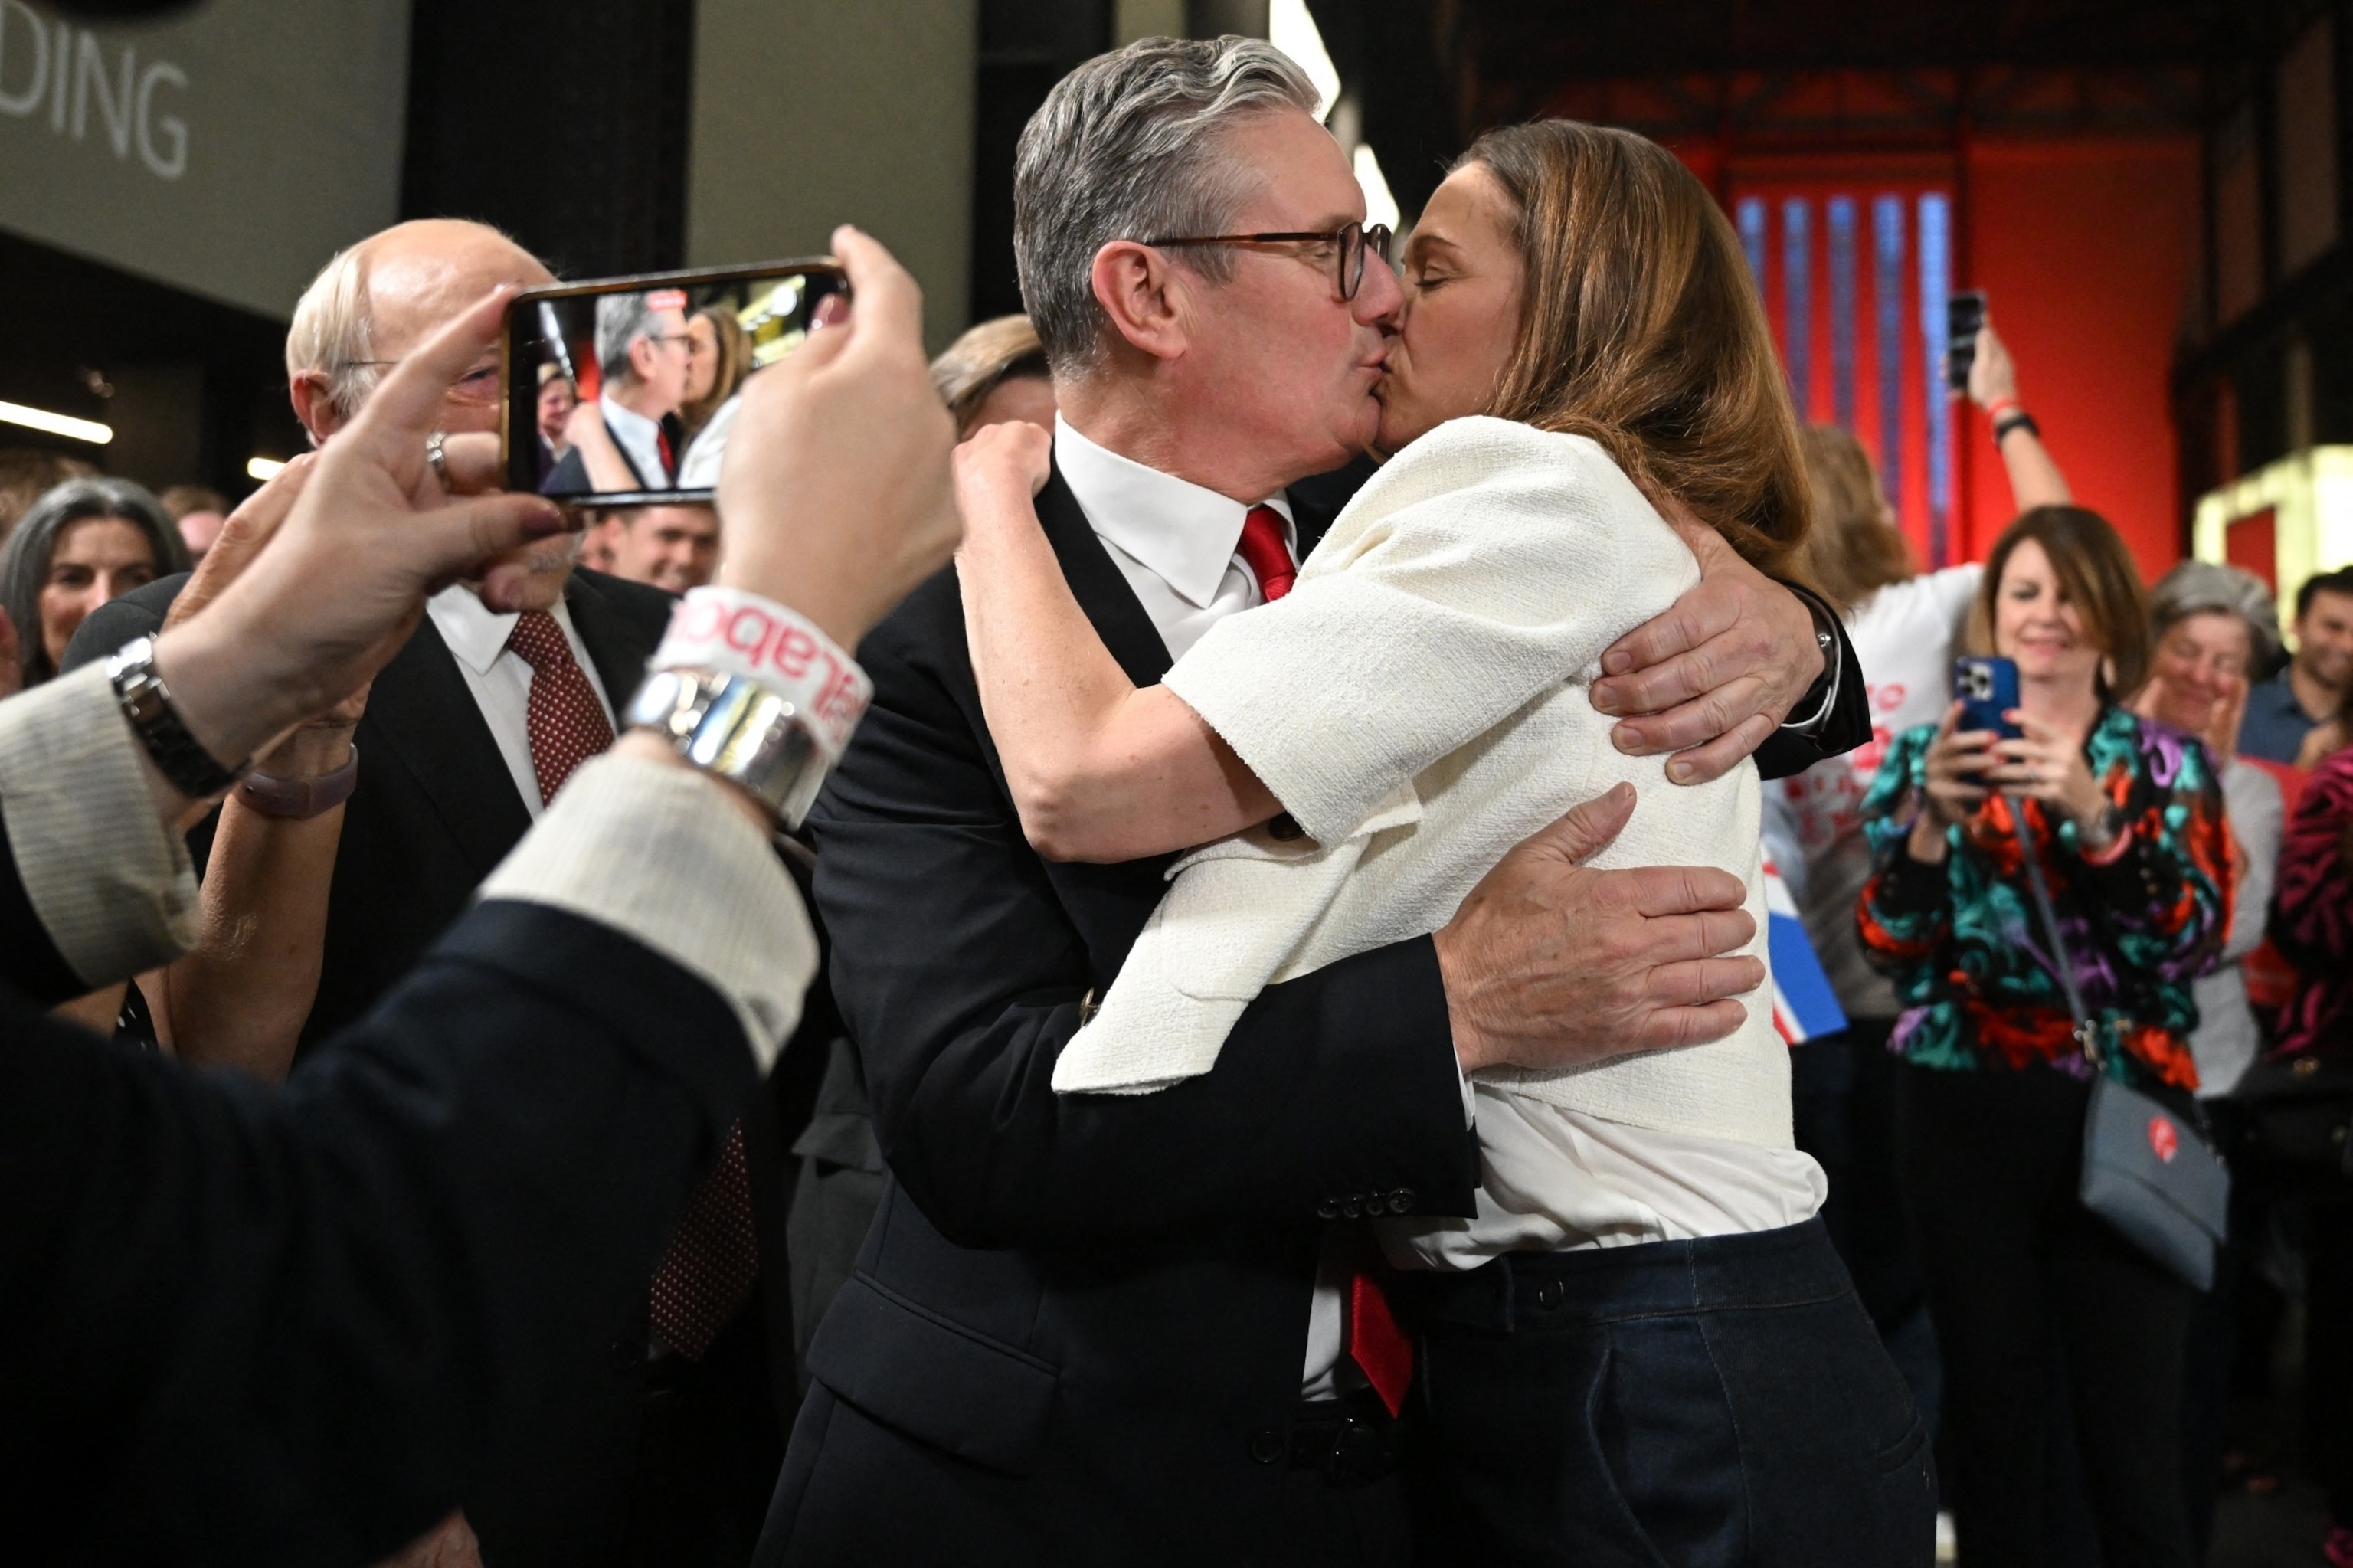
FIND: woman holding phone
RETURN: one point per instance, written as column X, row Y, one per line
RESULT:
column 2125, row 820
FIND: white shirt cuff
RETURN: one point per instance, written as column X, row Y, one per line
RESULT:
column 110, row 879
column 658, row 854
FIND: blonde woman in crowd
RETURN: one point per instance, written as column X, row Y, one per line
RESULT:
column 996, row 371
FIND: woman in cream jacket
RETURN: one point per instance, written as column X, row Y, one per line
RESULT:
column 1641, row 1346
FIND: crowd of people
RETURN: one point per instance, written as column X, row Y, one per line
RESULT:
column 2165, row 747
column 1225, row 1028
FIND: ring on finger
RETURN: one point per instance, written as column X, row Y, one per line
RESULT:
column 438, row 460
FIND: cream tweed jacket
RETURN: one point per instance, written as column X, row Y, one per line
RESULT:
column 1420, row 703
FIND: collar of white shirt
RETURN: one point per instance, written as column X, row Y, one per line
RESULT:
column 640, row 438
column 1184, row 534
column 477, row 634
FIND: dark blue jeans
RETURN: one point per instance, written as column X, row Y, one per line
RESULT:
column 1698, row 1403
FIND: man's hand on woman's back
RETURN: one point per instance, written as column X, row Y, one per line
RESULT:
column 1550, row 963
column 1712, row 678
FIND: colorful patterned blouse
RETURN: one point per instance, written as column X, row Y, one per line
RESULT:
column 2312, row 913
column 1970, row 957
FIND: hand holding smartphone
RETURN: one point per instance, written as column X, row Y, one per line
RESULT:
column 1965, row 317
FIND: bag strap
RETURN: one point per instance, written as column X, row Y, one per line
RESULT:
column 2085, row 1035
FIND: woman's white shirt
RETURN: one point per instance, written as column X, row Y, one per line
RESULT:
column 1420, row 703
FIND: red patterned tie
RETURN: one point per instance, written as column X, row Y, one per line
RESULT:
column 715, row 1254
column 566, row 722
column 1376, row 1343
column 712, row 1259
column 1263, row 550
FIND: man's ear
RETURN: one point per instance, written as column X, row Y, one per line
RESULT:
column 1143, row 295
column 308, row 390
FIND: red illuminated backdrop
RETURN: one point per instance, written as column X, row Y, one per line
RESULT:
column 2086, row 248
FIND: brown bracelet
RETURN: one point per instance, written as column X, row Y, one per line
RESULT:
column 299, row 799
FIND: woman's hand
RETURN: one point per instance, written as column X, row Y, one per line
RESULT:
column 1992, row 376
column 1958, row 760
column 999, row 470
column 2046, row 764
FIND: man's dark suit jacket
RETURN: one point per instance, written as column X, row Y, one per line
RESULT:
column 240, row 1326
column 434, row 813
column 1076, row 1331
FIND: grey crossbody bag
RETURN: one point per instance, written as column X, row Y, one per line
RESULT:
column 2158, row 1182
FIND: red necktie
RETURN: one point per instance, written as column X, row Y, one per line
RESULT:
column 715, row 1254
column 670, row 462
column 1376, row 1343
column 566, row 722
column 1262, row 550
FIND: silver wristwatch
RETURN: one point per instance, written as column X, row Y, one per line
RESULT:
column 735, row 728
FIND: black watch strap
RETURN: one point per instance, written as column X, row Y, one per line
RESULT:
column 147, row 705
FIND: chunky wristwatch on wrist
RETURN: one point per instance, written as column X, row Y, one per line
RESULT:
column 147, row 703
column 739, row 730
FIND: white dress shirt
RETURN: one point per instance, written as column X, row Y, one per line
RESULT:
column 640, row 439
column 499, row 678
column 1174, row 542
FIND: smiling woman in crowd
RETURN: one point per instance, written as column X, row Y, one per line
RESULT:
column 84, row 543
column 2029, row 1290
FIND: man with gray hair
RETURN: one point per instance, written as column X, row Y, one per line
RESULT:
column 644, row 356
column 1146, row 1329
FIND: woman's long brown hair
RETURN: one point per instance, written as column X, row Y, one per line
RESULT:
column 1641, row 328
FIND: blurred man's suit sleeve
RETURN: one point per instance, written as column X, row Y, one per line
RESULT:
column 100, row 888
column 240, row 1325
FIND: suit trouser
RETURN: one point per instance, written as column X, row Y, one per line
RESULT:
column 2026, row 1282
column 1701, row 1403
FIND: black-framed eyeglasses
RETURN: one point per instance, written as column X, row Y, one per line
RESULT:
column 1353, row 241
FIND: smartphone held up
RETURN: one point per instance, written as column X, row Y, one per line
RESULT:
column 1965, row 317
column 1987, row 689
column 619, row 392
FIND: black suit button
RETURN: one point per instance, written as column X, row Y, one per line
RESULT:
column 1329, row 1209
column 1551, row 1293
column 628, row 1354
column 1401, row 1200
column 1267, row 1446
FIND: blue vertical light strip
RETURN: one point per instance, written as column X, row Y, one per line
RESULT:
column 1936, row 283
column 1837, row 219
column 1796, row 302
column 1748, row 213
column 1887, row 298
